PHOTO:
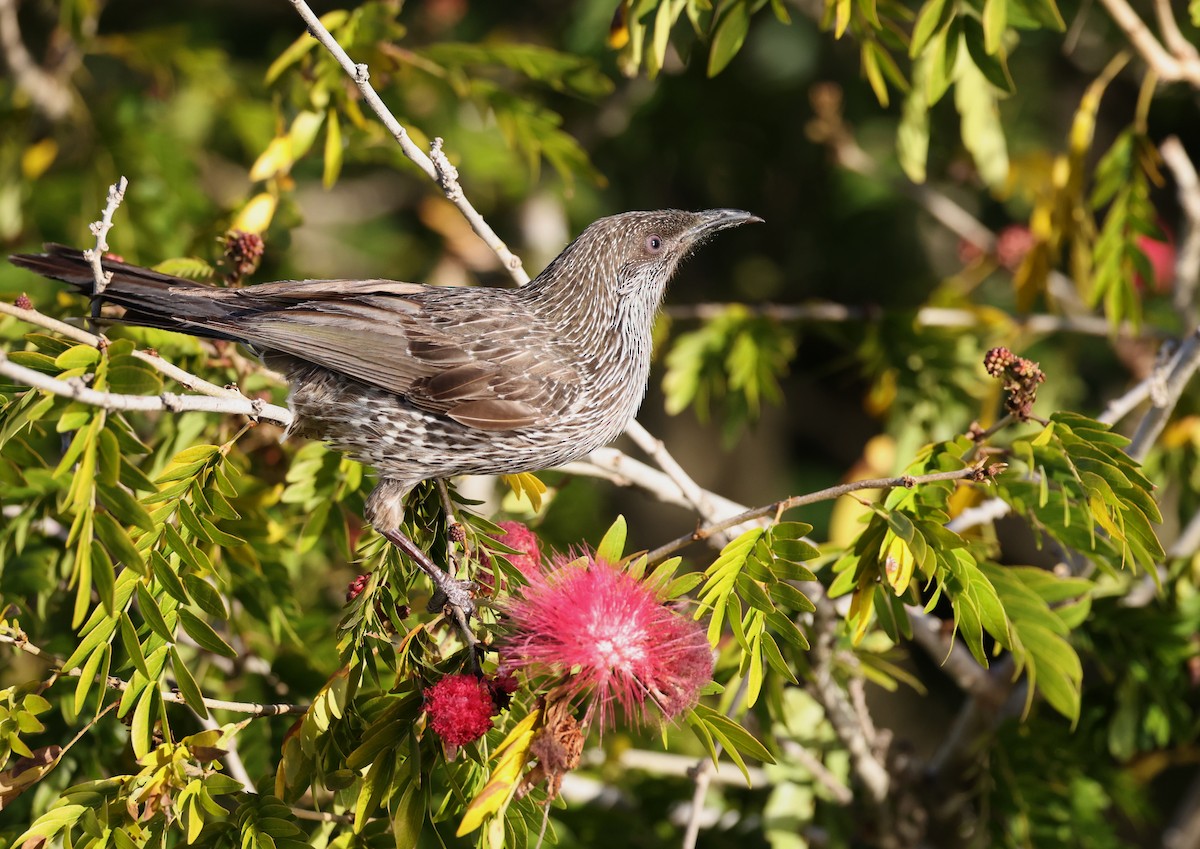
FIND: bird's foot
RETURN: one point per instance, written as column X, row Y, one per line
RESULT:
column 447, row 589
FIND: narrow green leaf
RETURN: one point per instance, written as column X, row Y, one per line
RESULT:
column 152, row 613
column 995, row 24
column 133, row 646
column 203, row 634
column 188, row 688
column 729, row 36
column 612, row 546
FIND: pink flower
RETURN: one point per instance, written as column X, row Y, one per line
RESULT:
column 609, row 636
column 460, row 709
column 518, row 536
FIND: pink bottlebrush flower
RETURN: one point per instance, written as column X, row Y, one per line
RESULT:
column 610, row 636
column 460, row 709
column 518, row 536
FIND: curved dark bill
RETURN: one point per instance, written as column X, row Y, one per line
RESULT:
column 712, row 221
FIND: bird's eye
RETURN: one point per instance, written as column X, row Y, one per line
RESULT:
column 654, row 244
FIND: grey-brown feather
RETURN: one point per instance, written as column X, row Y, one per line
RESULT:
column 427, row 382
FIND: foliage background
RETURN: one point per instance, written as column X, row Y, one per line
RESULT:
column 766, row 404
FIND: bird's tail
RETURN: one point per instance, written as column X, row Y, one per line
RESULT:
column 149, row 298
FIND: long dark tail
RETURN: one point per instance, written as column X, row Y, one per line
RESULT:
column 150, row 298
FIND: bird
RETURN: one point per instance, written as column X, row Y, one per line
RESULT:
column 428, row 382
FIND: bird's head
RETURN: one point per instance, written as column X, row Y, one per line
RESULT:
column 633, row 255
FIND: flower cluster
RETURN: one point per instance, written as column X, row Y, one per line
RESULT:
column 610, row 637
column 1021, row 379
column 243, row 252
column 518, row 536
column 528, row 560
column 460, row 707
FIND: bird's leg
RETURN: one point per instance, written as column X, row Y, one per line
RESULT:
column 456, row 593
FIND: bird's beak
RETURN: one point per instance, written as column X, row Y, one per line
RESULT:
column 712, row 221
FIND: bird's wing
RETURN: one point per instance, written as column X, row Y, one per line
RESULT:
column 459, row 353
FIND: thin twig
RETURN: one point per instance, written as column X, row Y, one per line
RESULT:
column 975, row 473
column 184, row 378
column 1187, row 258
column 167, row 401
column 845, row 720
column 48, row 92
column 20, row 641
column 116, row 194
column 1041, row 324
column 1165, row 393
column 437, row 168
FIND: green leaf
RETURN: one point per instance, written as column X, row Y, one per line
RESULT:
column 188, row 267
column 78, row 356
column 152, row 613
column 133, row 647
column 982, row 129
column 729, row 35
column 934, row 15
column 203, row 634
column 334, row 150
column 612, row 546
column 188, row 688
column 791, row 598
column 995, row 24
column 117, row 541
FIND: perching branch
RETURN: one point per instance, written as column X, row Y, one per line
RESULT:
column 979, row 472
column 19, row 641
column 167, row 401
column 185, row 379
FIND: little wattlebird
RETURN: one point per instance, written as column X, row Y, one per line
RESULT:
column 426, row 382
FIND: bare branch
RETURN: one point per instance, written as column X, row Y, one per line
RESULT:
column 827, row 311
column 437, row 168
column 116, row 193
column 49, row 94
column 1180, row 66
column 167, row 401
column 695, row 495
column 1169, row 381
column 184, row 378
column 975, row 473
column 1187, row 261
column 18, row 640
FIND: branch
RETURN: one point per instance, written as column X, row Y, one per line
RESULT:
column 47, row 92
column 978, row 472
column 437, row 167
column 18, row 640
column 695, row 495
column 184, row 378
column 167, row 401
column 1169, row 381
column 827, row 311
column 116, row 194
column 1187, row 261
column 1170, row 66
column 619, row 468
column 855, row 735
